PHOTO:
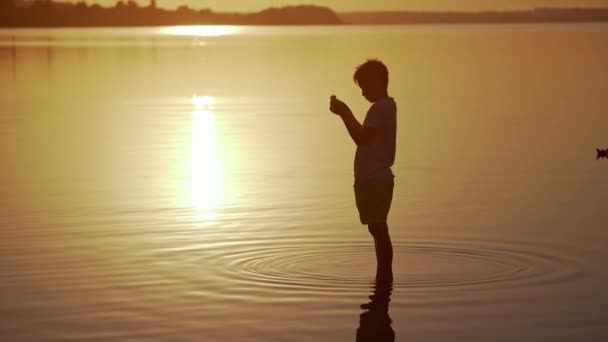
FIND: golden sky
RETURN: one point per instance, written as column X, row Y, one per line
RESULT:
column 366, row 5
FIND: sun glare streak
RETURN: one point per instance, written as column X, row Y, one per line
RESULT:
column 201, row 31
column 203, row 102
column 204, row 158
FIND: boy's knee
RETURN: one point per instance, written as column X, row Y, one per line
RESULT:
column 378, row 229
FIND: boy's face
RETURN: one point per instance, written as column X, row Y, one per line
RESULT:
column 369, row 92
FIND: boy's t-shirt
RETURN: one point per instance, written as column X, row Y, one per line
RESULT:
column 373, row 161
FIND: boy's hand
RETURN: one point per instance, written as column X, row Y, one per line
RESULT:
column 337, row 107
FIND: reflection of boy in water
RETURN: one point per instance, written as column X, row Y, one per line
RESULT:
column 375, row 324
column 376, row 141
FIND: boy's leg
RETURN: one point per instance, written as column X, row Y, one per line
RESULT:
column 376, row 245
column 383, row 244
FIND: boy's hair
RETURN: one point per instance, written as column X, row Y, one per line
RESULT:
column 373, row 72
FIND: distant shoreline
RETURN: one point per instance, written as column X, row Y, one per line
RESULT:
column 345, row 25
column 535, row 16
column 48, row 14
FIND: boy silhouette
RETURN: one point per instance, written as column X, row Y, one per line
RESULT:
column 376, row 142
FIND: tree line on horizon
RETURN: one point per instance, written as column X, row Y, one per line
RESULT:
column 49, row 13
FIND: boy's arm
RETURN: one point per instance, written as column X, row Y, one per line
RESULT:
column 360, row 134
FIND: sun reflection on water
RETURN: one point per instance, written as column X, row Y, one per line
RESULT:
column 201, row 30
column 205, row 167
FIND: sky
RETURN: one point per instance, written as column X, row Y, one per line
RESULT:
column 369, row 5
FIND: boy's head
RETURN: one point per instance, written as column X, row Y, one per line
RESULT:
column 372, row 78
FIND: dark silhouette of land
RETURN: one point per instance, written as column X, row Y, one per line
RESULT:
column 537, row 15
column 47, row 13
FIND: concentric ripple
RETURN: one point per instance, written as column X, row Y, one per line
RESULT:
column 428, row 264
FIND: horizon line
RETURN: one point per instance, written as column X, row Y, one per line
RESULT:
column 528, row 9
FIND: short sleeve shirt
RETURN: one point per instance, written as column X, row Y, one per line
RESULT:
column 373, row 160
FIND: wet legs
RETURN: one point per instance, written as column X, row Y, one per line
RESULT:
column 384, row 247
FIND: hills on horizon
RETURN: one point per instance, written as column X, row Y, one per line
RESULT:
column 47, row 13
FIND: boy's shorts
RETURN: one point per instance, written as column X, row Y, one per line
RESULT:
column 374, row 200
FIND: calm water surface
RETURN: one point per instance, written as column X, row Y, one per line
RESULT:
column 191, row 184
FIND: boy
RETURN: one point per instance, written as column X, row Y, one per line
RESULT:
column 376, row 141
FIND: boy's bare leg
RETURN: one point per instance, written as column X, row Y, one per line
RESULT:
column 384, row 246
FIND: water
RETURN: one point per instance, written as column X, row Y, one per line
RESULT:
column 191, row 184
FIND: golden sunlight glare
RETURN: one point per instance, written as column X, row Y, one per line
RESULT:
column 201, row 30
column 204, row 159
